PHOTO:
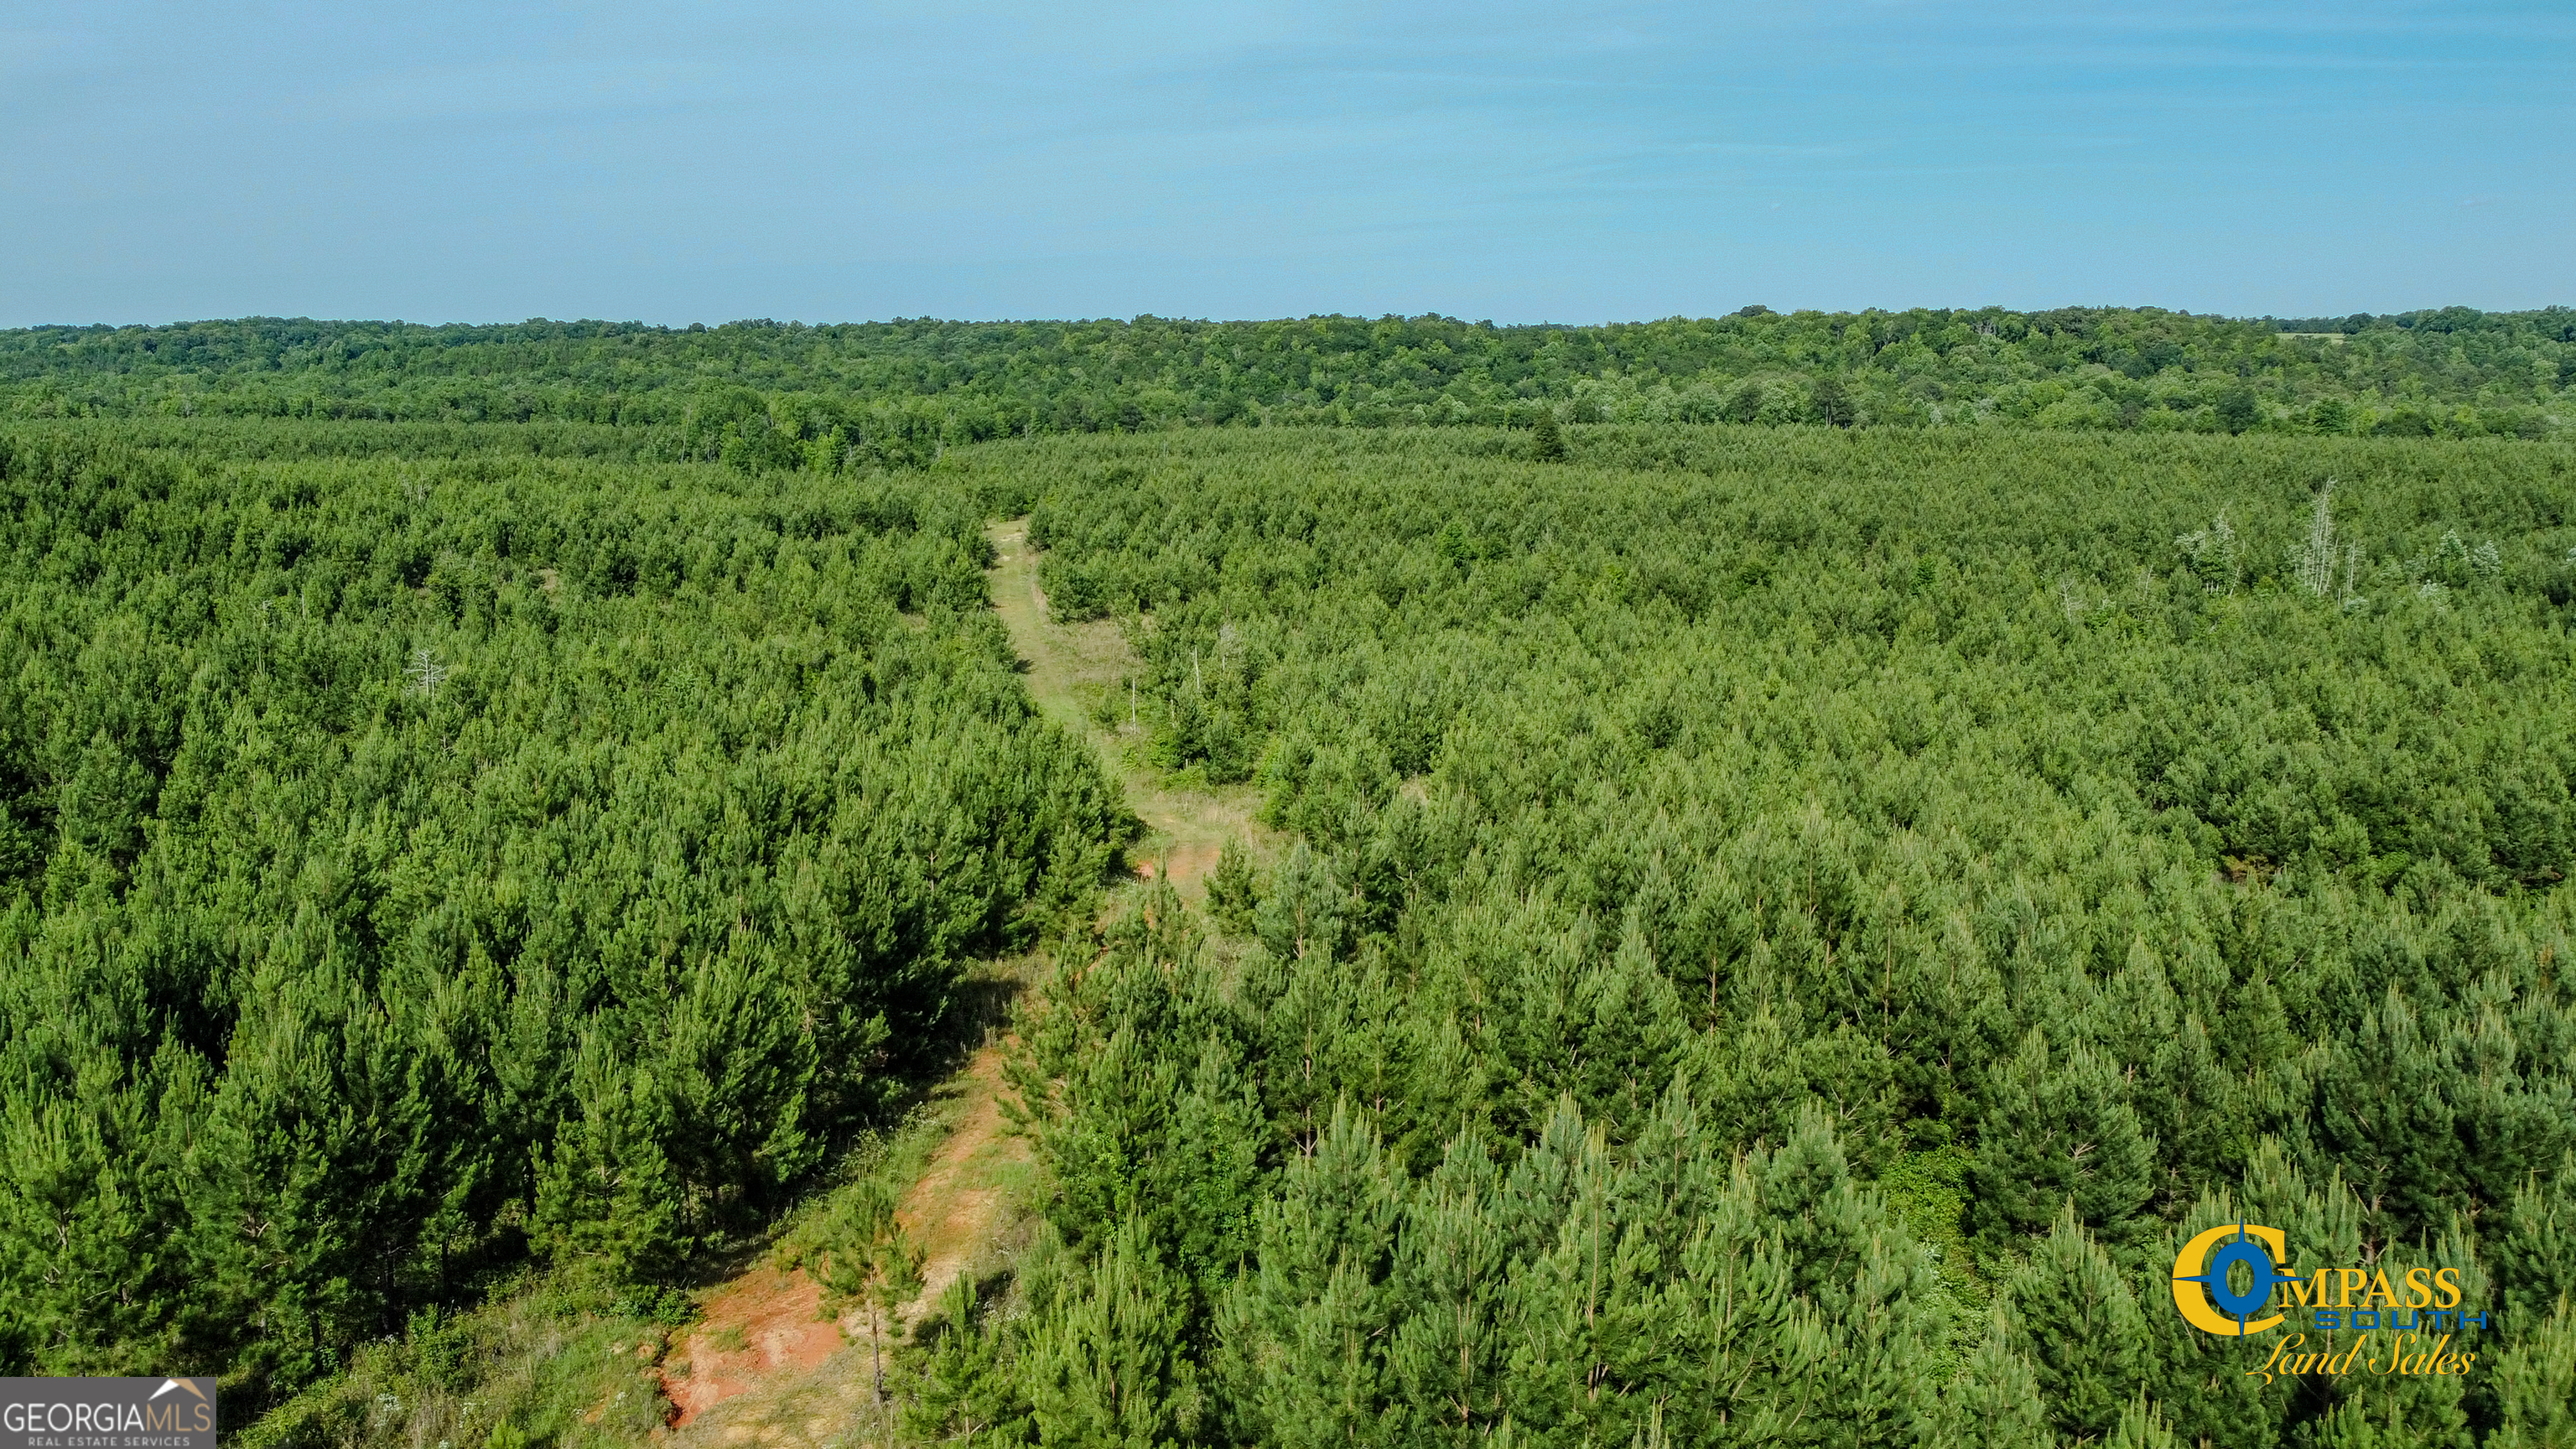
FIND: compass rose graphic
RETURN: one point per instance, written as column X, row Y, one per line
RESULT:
column 2202, row 1271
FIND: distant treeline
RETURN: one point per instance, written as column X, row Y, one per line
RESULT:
column 763, row 394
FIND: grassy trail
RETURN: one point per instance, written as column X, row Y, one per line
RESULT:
column 761, row 1366
column 1074, row 667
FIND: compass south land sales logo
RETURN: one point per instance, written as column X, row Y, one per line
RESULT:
column 2384, row 1318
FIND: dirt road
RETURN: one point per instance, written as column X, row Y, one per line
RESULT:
column 762, row 1366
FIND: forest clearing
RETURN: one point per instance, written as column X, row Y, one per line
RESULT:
column 1551, row 931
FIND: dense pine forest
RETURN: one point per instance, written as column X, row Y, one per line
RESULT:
column 413, row 867
column 1801, row 860
column 1788, row 932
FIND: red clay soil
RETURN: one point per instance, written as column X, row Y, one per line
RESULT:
column 779, row 1319
column 1188, row 863
column 952, row 1213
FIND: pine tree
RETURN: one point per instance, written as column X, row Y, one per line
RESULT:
column 1585, row 1306
column 1632, row 1031
column 2400, row 1149
column 963, row 1385
column 96, row 1266
column 2532, row 1253
column 2074, row 1319
column 1749, row 1078
column 1233, row 896
column 2142, row 1426
column 1808, row 1305
column 2374, row 1420
column 1750, row 1358
column 1305, row 1328
column 1205, row 1182
column 1304, row 1026
column 2200, row 1379
column 604, row 1187
column 894, row 1280
column 333, row 1198
column 1994, row 1400
column 866, row 1263
column 1547, row 441
column 2194, row 1108
column 1446, row 1354
column 2535, row 1383
column 1302, row 913
column 2057, row 1126
column 1677, row 1170
column 2426, row 1409
column 1109, row 1360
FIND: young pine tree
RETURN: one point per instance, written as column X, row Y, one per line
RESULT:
column 1872, row 1306
column 962, row 1386
column 1110, row 1360
column 1994, row 1400
column 1587, row 1313
column 604, row 1187
column 1445, row 1357
column 2532, row 1253
column 2075, row 1320
column 1305, row 1327
column 1547, row 440
column 2142, row 1426
column 866, row 1261
column 1302, row 913
column 1233, row 894
column 1635, row 1029
column 2535, row 1383
column 2058, row 1126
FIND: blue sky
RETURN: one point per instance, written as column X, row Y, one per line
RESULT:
column 1522, row 162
